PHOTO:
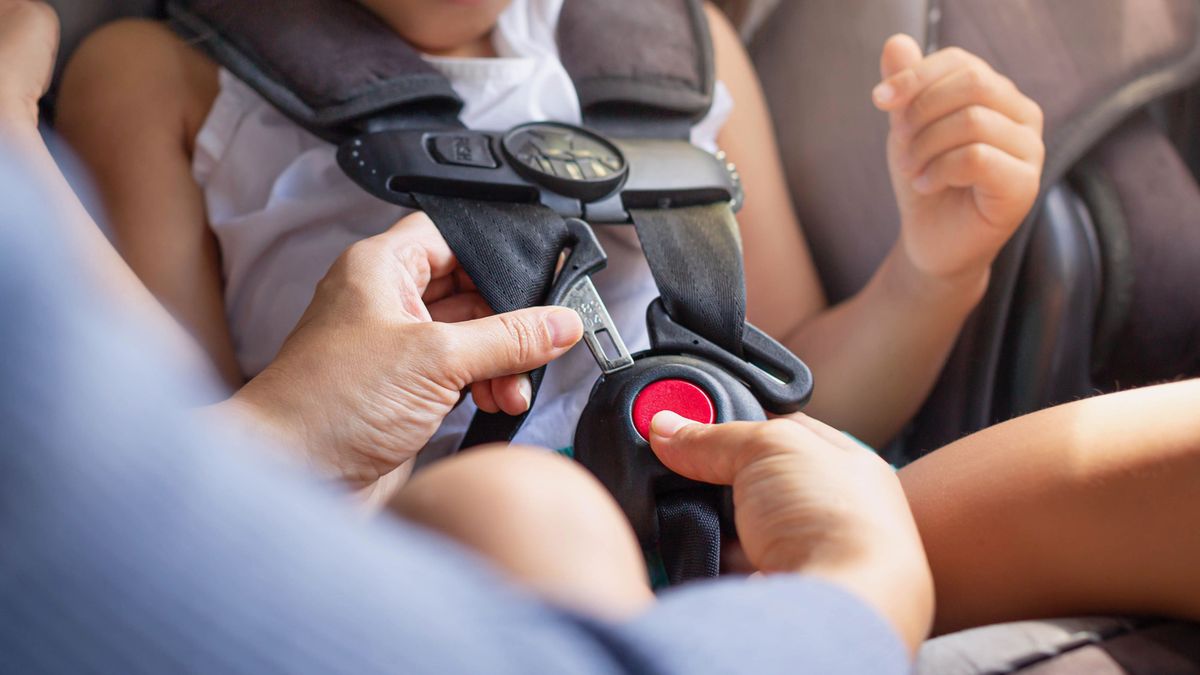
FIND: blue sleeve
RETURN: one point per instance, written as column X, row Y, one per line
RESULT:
column 132, row 541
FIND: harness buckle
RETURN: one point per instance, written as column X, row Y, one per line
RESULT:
column 574, row 289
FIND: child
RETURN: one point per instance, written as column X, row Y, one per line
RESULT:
column 231, row 214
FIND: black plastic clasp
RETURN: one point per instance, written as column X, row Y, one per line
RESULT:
column 778, row 378
column 576, row 172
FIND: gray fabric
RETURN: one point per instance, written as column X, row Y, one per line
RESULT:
column 1159, row 201
column 330, row 65
column 998, row 648
column 136, row 542
column 818, row 62
column 1164, row 649
column 1149, row 49
column 651, row 53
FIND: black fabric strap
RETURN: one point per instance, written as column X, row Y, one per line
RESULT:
column 690, row 534
column 510, row 251
column 695, row 254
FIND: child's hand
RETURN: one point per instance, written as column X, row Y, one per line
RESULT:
column 965, row 153
column 28, row 43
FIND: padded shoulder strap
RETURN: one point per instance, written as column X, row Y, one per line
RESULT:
column 635, row 62
column 643, row 68
column 330, row 65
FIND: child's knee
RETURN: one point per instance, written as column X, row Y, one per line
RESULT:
column 506, row 488
column 539, row 516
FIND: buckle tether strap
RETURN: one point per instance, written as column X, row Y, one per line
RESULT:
column 695, row 254
column 690, row 539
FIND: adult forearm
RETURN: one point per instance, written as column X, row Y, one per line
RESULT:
column 93, row 257
column 876, row 356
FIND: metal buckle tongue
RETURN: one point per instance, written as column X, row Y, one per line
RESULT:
column 574, row 289
column 599, row 331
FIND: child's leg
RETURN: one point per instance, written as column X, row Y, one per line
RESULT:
column 539, row 517
column 1092, row 507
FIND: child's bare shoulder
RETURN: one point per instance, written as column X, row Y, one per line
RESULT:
column 134, row 74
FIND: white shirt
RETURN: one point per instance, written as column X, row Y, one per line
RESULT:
column 283, row 211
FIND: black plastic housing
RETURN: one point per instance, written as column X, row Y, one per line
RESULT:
column 607, row 443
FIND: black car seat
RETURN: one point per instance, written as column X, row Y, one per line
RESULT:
column 1072, row 310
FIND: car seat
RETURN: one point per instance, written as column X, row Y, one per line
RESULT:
column 1071, row 310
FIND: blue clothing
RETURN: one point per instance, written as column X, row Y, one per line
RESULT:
column 134, row 541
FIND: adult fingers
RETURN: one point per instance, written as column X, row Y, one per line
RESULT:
column 716, row 453
column 459, row 308
column 417, row 244
column 481, row 394
column 507, row 344
column 513, row 393
column 973, row 124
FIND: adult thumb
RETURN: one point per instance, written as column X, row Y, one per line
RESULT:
column 516, row 342
column 710, row 453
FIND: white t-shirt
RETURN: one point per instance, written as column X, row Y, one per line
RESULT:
column 283, row 211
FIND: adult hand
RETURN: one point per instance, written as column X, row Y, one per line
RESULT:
column 965, row 153
column 368, row 374
column 28, row 44
column 808, row 499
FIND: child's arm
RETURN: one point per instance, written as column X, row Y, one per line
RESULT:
column 132, row 101
column 877, row 355
column 1087, row 508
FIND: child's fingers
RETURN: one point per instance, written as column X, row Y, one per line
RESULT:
column 481, row 393
column 976, row 85
column 900, row 52
column 980, row 166
column 973, row 124
column 895, row 92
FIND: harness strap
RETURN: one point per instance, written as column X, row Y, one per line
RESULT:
column 690, row 542
column 510, row 251
column 695, row 254
column 331, row 66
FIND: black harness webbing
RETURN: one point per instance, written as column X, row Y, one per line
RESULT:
column 509, row 250
column 690, row 535
column 695, row 254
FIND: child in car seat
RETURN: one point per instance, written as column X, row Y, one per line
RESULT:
column 230, row 213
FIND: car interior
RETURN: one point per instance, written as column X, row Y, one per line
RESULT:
column 1095, row 293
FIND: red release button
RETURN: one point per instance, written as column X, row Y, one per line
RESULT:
column 682, row 398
